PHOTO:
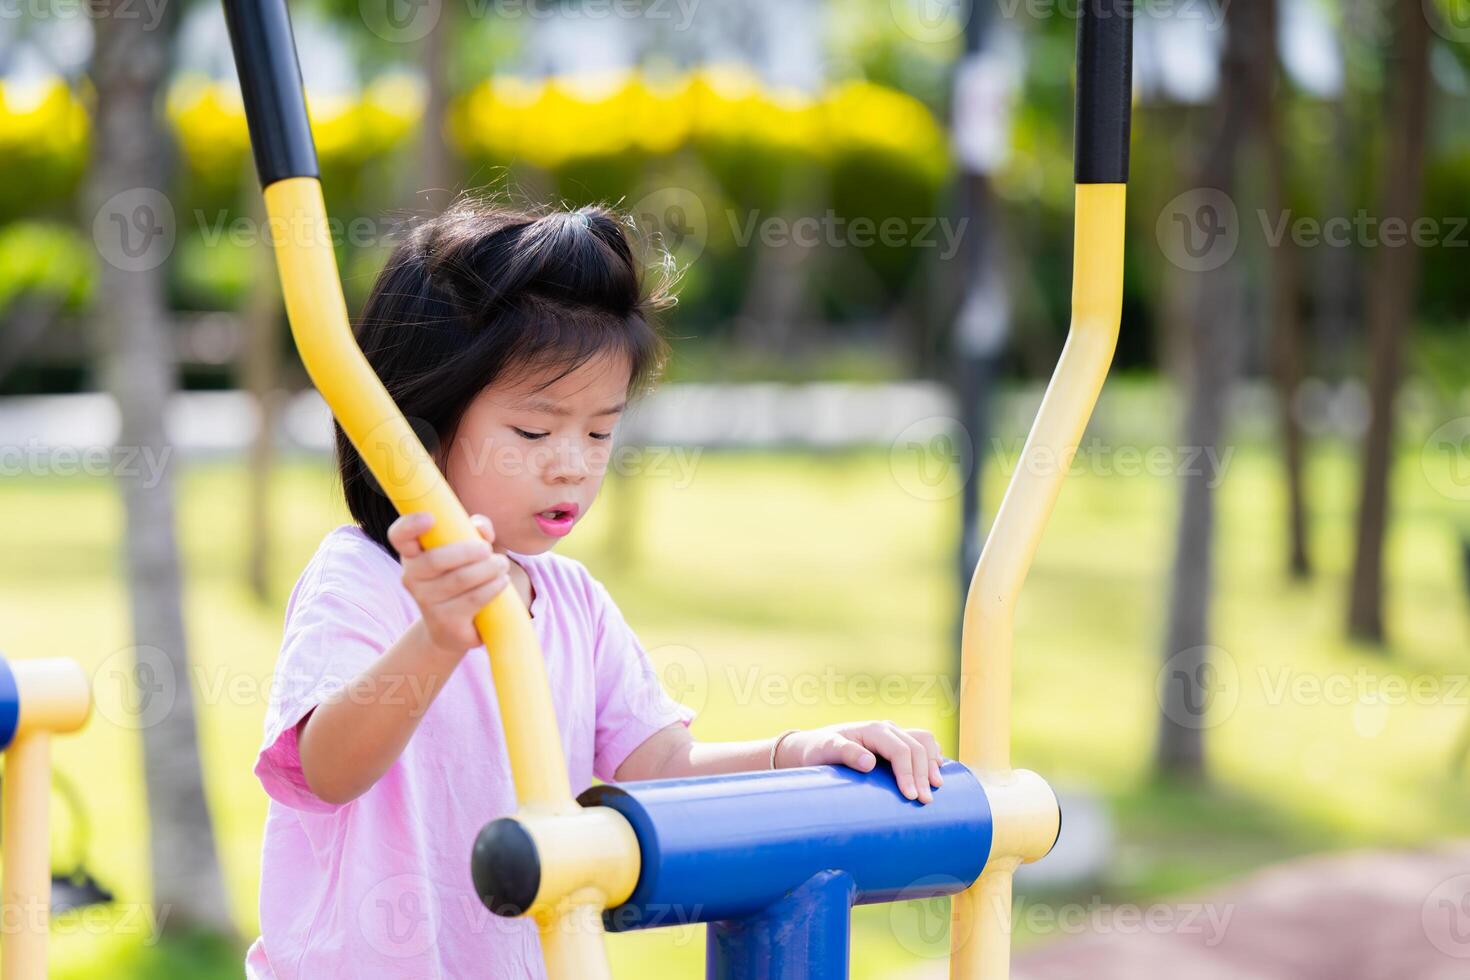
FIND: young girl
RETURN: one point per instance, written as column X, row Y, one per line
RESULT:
column 512, row 342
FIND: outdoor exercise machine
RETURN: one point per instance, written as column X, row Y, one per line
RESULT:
column 773, row 861
column 38, row 699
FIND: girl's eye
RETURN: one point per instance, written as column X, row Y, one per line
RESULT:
column 533, row 436
column 600, row 435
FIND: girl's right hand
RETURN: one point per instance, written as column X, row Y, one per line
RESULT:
column 452, row 582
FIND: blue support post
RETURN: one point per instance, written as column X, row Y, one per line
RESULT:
column 803, row 936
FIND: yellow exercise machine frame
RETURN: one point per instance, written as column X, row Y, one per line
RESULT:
column 589, row 856
column 980, row 917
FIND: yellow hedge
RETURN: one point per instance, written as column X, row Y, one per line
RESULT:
column 551, row 123
column 547, row 124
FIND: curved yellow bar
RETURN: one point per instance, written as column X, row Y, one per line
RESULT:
column 571, row 938
column 980, row 924
column 409, row 476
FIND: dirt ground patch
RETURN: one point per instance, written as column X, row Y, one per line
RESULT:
column 1372, row 915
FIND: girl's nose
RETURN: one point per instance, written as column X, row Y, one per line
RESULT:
column 568, row 463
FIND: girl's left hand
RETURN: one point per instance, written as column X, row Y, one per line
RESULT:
column 913, row 753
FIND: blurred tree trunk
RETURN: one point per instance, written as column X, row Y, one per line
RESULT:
column 1180, row 129
column 1391, row 288
column 438, row 169
column 23, row 326
column 1211, row 354
column 129, row 156
column 1284, row 278
column 1337, row 306
column 261, row 379
column 777, row 302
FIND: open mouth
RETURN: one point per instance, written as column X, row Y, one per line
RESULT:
column 557, row 521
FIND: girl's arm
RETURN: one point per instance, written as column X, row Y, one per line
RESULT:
column 349, row 741
column 912, row 752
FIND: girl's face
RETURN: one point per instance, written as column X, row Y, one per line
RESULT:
column 532, row 458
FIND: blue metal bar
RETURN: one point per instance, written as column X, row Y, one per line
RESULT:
column 717, row 848
column 803, row 936
column 9, row 704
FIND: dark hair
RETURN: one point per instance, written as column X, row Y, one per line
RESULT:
column 481, row 290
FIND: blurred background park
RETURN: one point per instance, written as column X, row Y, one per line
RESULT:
column 1242, row 652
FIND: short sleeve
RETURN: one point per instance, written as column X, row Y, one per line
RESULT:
column 329, row 639
column 631, row 701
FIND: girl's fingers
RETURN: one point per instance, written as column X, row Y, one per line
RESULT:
column 931, row 745
column 885, row 741
column 854, row 755
column 453, row 584
column 404, row 533
column 447, row 558
column 449, row 586
column 918, row 765
column 483, row 525
column 480, row 596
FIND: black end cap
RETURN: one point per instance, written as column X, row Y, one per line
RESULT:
column 1060, row 814
column 505, row 867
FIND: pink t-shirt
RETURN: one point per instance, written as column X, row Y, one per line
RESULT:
column 380, row 887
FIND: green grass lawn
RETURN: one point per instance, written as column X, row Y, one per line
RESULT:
column 785, row 590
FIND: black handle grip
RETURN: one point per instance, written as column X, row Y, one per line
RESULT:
column 1104, row 90
column 270, row 82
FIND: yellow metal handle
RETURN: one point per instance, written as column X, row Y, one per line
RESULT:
column 55, row 697
column 410, row 477
column 980, row 925
column 26, row 850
